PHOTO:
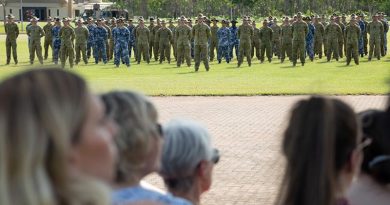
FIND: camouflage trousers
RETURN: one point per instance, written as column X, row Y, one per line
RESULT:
column 256, row 48
column 223, row 51
column 143, row 49
column 81, row 48
column 67, row 50
column 310, row 49
column 361, row 45
column 183, row 52
column 201, row 53
column 245, row 49
column 56, row 50
column 276, row 47
column 11, row 44
column 46, row 45
column 333, row 47
column 266, row 47
column 286, row 50
column 213, row 47
column 121, row 51
column 298, row 49
column 165, row 51
column 90, row 48
column 100, row 48
column 318, row 47
column 352, row 52
column 375, row 47
column 235, row 46
column 35, row 47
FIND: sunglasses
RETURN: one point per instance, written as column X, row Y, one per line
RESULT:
column 216, row 156
column 160, row 130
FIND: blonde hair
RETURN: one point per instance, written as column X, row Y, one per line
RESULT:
column 136, row 117
column 41, row 114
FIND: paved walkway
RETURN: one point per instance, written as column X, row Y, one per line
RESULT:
column 247, row 130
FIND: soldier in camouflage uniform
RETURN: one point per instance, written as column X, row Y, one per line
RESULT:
column 48, row 38
column 325, row 40
column 173, row 44
column 121, row 36
column 224, row 42
column 55, row 33
column 142, row 35
column 111, row 43
column 265, row 35
column 183, row 35
column 35, row 33
column 318, row 37
column 334, row 34
column 82, row 35
column 299, row 30
column 342, row 39
column 352, row 33
column 164, row 37
column 365, row 34
column 189, row 23
column 384, row 36
column 67, row 36
column 362, row 27
column 277, row 30
column 202, row 35
column 214, row 38
column 310, row 39
column 156, row 46
column 376, row 30
column 255, row 41
column 90, row 46
column 286, row 40
column 108, row 29
column 132, row 40
column 235, row 41
column 151, row 39
column 99, row 41
column 12, row 31
column 245, row 33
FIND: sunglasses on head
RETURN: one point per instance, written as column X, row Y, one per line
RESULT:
column 216, row 156
column 160, row 130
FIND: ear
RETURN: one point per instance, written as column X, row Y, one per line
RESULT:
column 355, row 161
column 202, row 169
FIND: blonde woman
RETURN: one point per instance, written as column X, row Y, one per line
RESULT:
column 55, row 141
column 139, row 141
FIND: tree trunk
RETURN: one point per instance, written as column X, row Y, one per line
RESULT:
column 144, row 9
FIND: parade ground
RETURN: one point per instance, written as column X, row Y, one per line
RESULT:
column 248, row 131
column 224, row 79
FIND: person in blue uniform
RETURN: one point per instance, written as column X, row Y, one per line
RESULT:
column 224, row 37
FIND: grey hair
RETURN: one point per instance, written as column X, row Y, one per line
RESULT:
column 186, row 144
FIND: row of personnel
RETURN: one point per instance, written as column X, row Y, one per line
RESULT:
column 297, row 37
column 61, row 144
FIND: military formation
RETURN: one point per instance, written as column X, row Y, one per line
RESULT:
column 296, row 38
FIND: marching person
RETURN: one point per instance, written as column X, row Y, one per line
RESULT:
column 82, row 35
column 165, row 39
column 35, row 32
column 276, row 37
column 12, row 31
column 310, row 39
column 202, row 34
column 121, row 36
column 183, row 40
column 132, row 40
column 245, row 34
column 67, row 47
column 173, row 44
column 99, row 40
column 352, row 33
column 48, row 38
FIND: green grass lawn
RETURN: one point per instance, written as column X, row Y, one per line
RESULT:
column 369, row 78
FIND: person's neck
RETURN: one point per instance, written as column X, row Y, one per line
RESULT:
column 193, row 195
column 132, row 181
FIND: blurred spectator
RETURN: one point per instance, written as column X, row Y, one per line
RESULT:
column 139, row 142
column 188, row 159
column 372, row 186
column 54, row 139
column 323, row 150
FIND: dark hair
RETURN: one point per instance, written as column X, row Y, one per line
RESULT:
column 318, row 142
column 376, row 161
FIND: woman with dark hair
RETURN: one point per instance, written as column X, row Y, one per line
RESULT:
column 373, row 184
column 323, row 148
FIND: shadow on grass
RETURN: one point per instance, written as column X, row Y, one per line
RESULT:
column 288, row 66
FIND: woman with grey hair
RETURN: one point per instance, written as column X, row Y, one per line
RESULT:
column 139, row 142
column 187, row 159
